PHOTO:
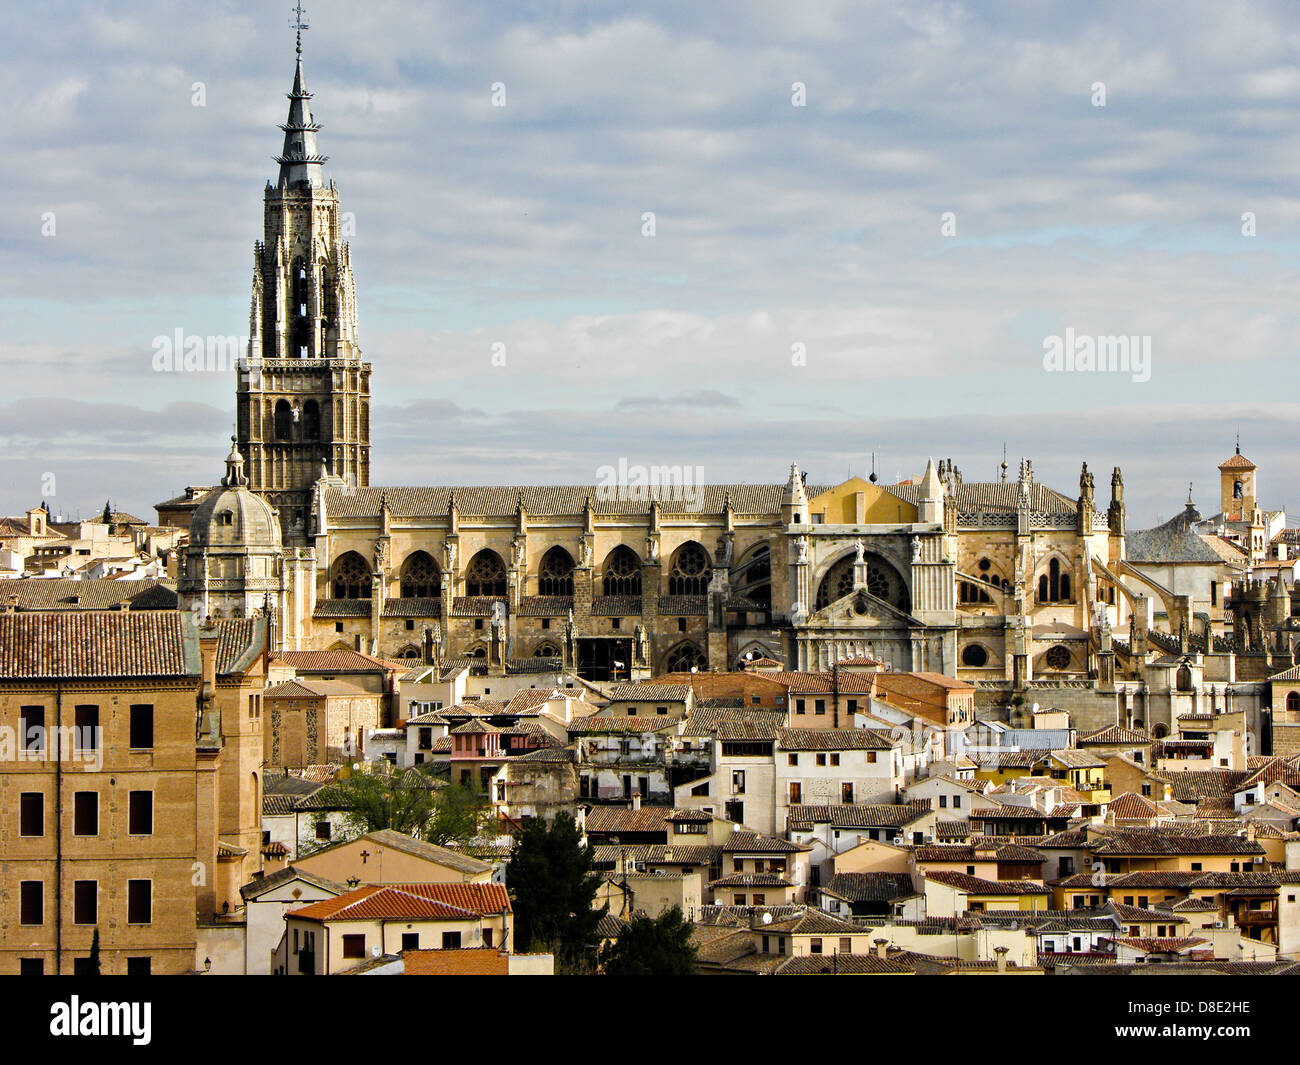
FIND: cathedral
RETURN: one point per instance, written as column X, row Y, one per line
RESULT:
column 1002, row 583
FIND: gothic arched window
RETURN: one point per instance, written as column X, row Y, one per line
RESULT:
column 622, row 572
column 546, row 650
column 969, row 592
column 486, row 575
column 421, row 578
column 555, row 574
column 283, row 420
column 690, row 571
column 685, row 657
column 1054, row 585
column 351, row 577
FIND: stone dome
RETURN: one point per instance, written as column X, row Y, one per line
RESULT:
column 233, row 515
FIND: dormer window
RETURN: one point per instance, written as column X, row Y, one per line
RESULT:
column 226, row 517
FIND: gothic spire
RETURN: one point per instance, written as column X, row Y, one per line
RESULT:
column 299, row 160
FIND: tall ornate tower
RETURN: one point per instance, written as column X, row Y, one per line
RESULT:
column 303, row 397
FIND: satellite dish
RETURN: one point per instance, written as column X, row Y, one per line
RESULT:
column 767, row 918
column 1034, row 709
column 374, row 952
column 357, row 765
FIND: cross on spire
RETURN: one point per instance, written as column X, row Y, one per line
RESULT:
column 298, row 24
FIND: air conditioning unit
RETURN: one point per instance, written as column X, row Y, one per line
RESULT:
column 929, row 839
column 898, row 841
column 1217, row 924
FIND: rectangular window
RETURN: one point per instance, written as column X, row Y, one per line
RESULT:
column 31, row 902
column 86, row 719
column 139, row 901
column 835, row 759
column 31, row 967
column 354, row 946
column 956, row 802
column 85, row 813
column 324, row 830
column 85, row 901
column 141, row 727
column 681, row 624
column 738, row 900
column 451, row 941
column 796, row 793
column 738, row 782
column 820, row 706
column 853, row 706
column 821, row 759
column 31, row 724
column 139, row 966
column 760, row 899
column 815, row 945
column 31, row 813
column 846, row 944
column 943, row 802
column 140, row 813
column 410, row 940
column 791, row 759
column 489, row 934
column 846, row 792
column 799, row 706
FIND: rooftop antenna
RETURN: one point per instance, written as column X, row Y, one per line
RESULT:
column 1004, row 462
column 873, row 477
column 297, row 23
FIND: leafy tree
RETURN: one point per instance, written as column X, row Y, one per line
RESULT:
column 659, row 946
column 383, row 798
column 459, row 814
column 552, row 890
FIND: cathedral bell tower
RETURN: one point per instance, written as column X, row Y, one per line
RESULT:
column 303, row 396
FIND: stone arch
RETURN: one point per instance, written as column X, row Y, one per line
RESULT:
column 410, row 651
column 690, row 570
column 685, row 656
column 753, row 576
column 350, row 578
column 884, row 581
column 621, row 572
column 555, row 573
column 751, row 651
column 486, row 575
column 311, row 420
column 547, row 649
column 283, row 420
column 421, row 577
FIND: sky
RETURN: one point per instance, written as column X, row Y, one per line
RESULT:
column 869, row 219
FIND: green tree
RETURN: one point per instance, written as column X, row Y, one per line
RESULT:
column 659, row 946
column 459, row 814
column 383, row 797
column 552, row 890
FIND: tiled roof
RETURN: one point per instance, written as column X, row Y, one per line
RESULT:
column 967, row 852
column 418, row 848
column 105, row 593
column 114, row 644
column 975, row 885
column 751, row 880
column 271, row 881
column 548, row 500
column 614, row 819
column 742, row 841
column 837, row 964
column 837, row 739
column 1152, row 945
column 342, row 608
column 1131, row 805
column 1140, row 841
column 336, row 661
column 871, row 887
column 429, row 902
column 859, row 815
column 649, row 693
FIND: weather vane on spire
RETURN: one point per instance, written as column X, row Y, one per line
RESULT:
column 297, row 23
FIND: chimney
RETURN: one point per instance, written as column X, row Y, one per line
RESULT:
column 636, row 800
column 1001, row 952
column 882, row 947
column 1169, row 792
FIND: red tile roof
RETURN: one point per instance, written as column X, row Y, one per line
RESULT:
column 429, row 902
